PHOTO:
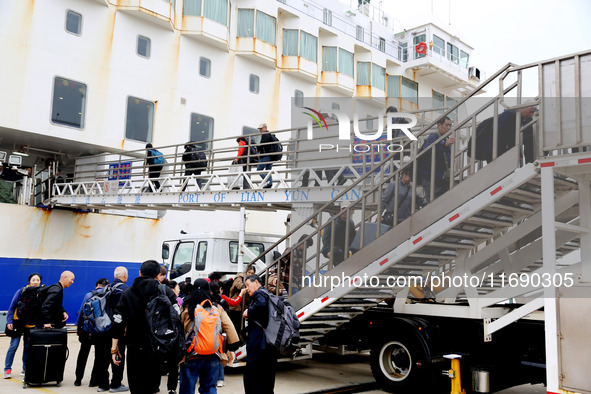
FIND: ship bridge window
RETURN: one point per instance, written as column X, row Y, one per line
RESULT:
column 143, row 46
column 204, row 67
column 139, row 124
column 73, row 22
column 364, row 73
column 464, row 59
column 255, row 135
column 216, row 10
column 378, row 76
column 438, row 45
column 452, row 53
column 403, row 51
column 253, row 84
column 382, row 44
column 401, row 87
column 201, row 130
column 69, row 103
column 416, row 40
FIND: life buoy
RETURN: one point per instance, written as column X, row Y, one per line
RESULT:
column 421, row 48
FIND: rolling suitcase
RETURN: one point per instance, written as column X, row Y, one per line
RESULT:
column 47, row 352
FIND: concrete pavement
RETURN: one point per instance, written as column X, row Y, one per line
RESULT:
column 324, row 372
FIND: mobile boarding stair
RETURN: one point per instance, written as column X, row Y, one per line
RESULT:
column 505, row 219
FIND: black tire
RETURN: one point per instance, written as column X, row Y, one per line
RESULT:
column 399, row 365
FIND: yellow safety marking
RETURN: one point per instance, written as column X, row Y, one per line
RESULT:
column 42, row 389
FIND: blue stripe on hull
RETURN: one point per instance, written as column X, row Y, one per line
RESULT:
column 17, row 270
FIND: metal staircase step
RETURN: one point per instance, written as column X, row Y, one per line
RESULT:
column 338, row 311
column 313, row 327
column 316, row 319
column 352, row 303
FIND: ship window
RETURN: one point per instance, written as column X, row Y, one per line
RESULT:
column 329, row 58
column 216, row 10
column 327, row 16
column 139, row 122
column 382, row 45
column 346, row 62
column 192, row 7
column 143, row 46
column 359, row 33
column 298, row 98
column 369, row 122
column 363, row 73
column 403, row 51
column 464, row 59
column 438, row 100
column 265, row 28
column 452, row 53
column 416, row 40
column 438, row 45
column 73, row 22
column 409, row 90
column 335, row 106
column 245, row 22
column 204, row 67
column 401, row 87
column 255, row 135
column 309, row 47
column 69, row 102
column 255, row 248
column 201, row 130
column 290, row 42
column 378, row 77
column 253, row 83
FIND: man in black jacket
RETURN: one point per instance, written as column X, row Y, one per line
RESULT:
column 129, row 320
column 52, row 312
column 265, row 149
column 261, row 359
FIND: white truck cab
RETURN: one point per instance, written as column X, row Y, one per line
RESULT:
column 197, row 255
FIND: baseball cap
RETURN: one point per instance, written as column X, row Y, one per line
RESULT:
column 262, row 125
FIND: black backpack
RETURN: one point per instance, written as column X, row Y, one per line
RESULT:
column 276, row 149
column 29, row 304
column 202, row 163
column 167, row 337
column 283, row 329
column 484, row 141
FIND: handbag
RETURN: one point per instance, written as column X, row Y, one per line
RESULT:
column 16, row 331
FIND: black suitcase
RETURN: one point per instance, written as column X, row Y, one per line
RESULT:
column 47, row 353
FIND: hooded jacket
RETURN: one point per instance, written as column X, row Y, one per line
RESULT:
column 129, row 318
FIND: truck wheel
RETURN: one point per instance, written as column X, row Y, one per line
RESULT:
column 399, row 365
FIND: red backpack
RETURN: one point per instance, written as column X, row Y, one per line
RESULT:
column 206, row 337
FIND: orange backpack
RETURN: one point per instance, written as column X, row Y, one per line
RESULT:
column 207, row 332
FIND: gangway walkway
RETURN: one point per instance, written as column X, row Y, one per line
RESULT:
column 500, row 221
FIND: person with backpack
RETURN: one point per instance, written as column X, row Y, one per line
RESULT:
column 15, row 327
column 204, row 322
column 86, row 341
column 131, row 320
column 155, row 161
column 195, row 162
column 404, row 202
column 52, row 312
column 442, row 160
column 270, row 149
column 261, row 359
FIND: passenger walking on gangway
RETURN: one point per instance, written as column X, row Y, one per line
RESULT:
column 265, row 162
